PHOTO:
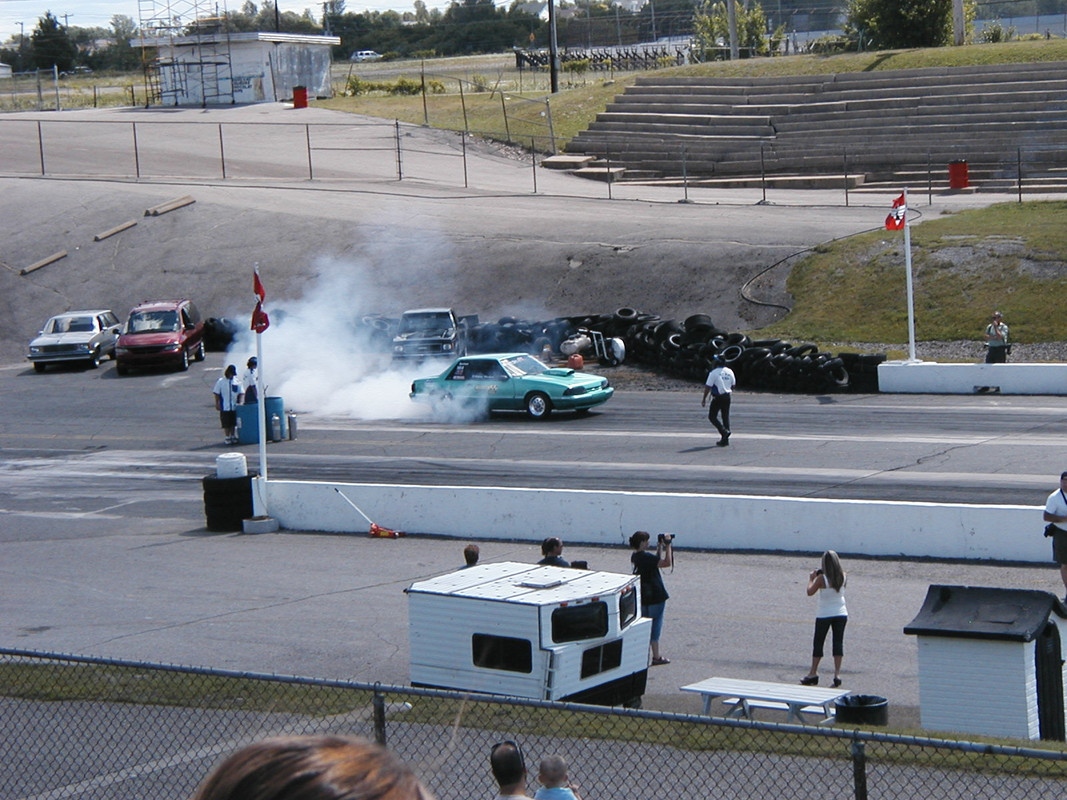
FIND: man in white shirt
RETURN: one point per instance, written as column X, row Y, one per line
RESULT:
column 1056, row 513
column 720, row 385
column 226, row 391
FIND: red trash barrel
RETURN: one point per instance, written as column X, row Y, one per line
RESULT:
column 958, row 177
column 576, row 361
column 300, row 97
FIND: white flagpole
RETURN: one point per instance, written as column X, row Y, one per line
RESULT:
column 911, row 293
column 262, row 403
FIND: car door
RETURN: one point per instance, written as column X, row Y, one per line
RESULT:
column 109, row 332
column 481, row 381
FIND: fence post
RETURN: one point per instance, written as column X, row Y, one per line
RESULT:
column 551, row 130
column 762, row 176
column 399, row 164
column 844, row 169
column 533, row 162
column 859, row 769
column 463, row 104
column 463, row 142
column 685, row 176
column 425, row 110
column 222, row 153
column 504, row 108
column 307, row 137
column 136, row 152
column 40, row 145
column 929, row 178
column 378, row 704
column 607, row 158
column 1019, row 171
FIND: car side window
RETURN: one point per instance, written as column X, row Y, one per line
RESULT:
column 495, row 372
column 459, row 372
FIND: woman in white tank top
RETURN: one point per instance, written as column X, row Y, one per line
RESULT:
column 828, row 584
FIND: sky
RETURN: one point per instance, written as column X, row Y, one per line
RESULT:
column 98, row 13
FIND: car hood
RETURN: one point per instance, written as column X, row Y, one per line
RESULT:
column 77, row 337
column 440, row 333
column 151, row 338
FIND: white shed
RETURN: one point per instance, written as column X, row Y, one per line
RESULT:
column 255, row 67
column 990, row 661
column 5, row 71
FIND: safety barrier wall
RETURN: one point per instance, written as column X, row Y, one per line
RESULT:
column 930, row 377
column 728, row 522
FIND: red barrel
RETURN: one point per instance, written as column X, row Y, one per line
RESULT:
column 576, row 361
column 958, row 177
column 300, row 97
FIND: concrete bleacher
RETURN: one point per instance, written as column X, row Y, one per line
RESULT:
column 872, row 126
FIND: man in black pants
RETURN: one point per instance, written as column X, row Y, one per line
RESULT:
column 720, row 384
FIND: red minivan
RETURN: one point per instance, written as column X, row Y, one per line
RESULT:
column 160, row 334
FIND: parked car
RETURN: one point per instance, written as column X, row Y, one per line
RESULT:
column 86, row 336
column 365, row 55
column 160, row 334
column 512, row 382
column 431, row 333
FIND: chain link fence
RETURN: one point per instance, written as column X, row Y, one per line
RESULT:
column 99, row 728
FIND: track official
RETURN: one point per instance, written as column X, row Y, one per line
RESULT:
column 720, row 385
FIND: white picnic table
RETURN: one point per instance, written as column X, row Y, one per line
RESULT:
column 744, row 695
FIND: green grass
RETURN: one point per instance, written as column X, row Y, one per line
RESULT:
column 1011, row 256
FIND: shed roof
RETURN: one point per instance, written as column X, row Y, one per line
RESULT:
column 979, row 612
column 237, row 38
column 529, row 584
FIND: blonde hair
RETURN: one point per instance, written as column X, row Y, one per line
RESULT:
column 832, row 572
column 553, row 771
column 312, row 768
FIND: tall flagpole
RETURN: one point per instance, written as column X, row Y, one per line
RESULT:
column 262, row 403
column 911, row 294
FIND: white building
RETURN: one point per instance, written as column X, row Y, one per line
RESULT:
column 5, row 71
column 225, row 68
column 991, row 662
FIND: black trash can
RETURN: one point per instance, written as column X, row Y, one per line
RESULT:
column 227, row 502
column 862, row 709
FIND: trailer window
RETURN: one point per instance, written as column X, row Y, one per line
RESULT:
column 501, row 652
column 600, row 659
column 627, row 607
column 574, row 623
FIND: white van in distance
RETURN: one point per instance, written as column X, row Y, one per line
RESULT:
column 551, row 633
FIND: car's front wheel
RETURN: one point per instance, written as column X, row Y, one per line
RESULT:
column 538, row 405
column 94, row 360
column 200, row 351
column 38, row 366
column 183, row 364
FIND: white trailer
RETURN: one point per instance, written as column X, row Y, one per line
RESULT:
column 523, row 630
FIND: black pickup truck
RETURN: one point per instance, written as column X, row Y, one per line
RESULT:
column 431, row 333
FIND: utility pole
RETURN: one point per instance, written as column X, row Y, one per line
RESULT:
column 325, row 19
column 66, row 20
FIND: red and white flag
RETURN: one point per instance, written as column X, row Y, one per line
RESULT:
column 895, row 220
column 260, row 320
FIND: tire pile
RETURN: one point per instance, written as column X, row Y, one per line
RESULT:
column 683, row 349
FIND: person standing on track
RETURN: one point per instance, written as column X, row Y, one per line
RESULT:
column 720, row 385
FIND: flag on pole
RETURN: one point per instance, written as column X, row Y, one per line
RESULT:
column 260, row 320
column 895, row 220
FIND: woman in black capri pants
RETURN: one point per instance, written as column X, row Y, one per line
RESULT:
column 828, row 583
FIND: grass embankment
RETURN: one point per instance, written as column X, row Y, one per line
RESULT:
column 1011, row 256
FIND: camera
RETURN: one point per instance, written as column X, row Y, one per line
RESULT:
column 666, row 538
column 818, row 572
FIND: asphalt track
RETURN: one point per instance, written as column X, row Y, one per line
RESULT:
column 105, row 552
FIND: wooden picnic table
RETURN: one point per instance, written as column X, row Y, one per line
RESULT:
column 744, row 695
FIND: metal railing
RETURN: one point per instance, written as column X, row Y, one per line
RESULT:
column 98, row 728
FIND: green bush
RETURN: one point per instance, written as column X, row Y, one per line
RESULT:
column 435, row 87
column 995, row 32
column 480, row 83
column 406, row 86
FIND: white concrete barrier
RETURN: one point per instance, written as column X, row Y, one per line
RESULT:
column 930, row 377
column 729, row 522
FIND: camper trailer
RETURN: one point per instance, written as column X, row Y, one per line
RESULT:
column 523, row 630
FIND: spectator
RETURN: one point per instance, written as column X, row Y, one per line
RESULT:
column 831, row 613
column 227, row 390
column 1056, row 513
column 312, row 768
column 509, row 770
column 248, row 382
column 555, row 782
column 470, row 555
column 996, row 340
column 552, row 550
column 653, row 593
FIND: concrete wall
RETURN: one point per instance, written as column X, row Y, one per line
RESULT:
column 739, row 522
column 930, row 377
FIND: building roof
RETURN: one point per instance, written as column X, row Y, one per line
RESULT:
column 529, row 584
column 237, row 38
column 977, row 612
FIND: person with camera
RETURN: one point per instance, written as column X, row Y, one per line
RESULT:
column 654, row 595
column 996, row 340
column 831, row 614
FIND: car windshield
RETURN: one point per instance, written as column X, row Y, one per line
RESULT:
column 69, row 325
column 425, row 322
column 517, row 366
column 153, row 321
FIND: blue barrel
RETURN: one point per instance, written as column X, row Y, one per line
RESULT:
column 248, row 421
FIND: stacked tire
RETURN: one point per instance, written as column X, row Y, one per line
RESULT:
column 227, row 502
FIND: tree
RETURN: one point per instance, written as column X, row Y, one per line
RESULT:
column 711, row 26
column 890, row 24
column 50, row 45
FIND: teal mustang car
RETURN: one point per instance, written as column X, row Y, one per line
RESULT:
column 511, row 382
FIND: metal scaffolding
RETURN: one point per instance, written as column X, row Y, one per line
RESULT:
column 185, row 46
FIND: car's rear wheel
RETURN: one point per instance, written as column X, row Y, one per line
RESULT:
column 200, row 351
column 538, row 405
column 38, row 366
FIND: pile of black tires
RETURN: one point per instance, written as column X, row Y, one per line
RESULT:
column 682, row 349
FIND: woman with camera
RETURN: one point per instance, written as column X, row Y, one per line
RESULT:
column 653, row 592
column 830, row 614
